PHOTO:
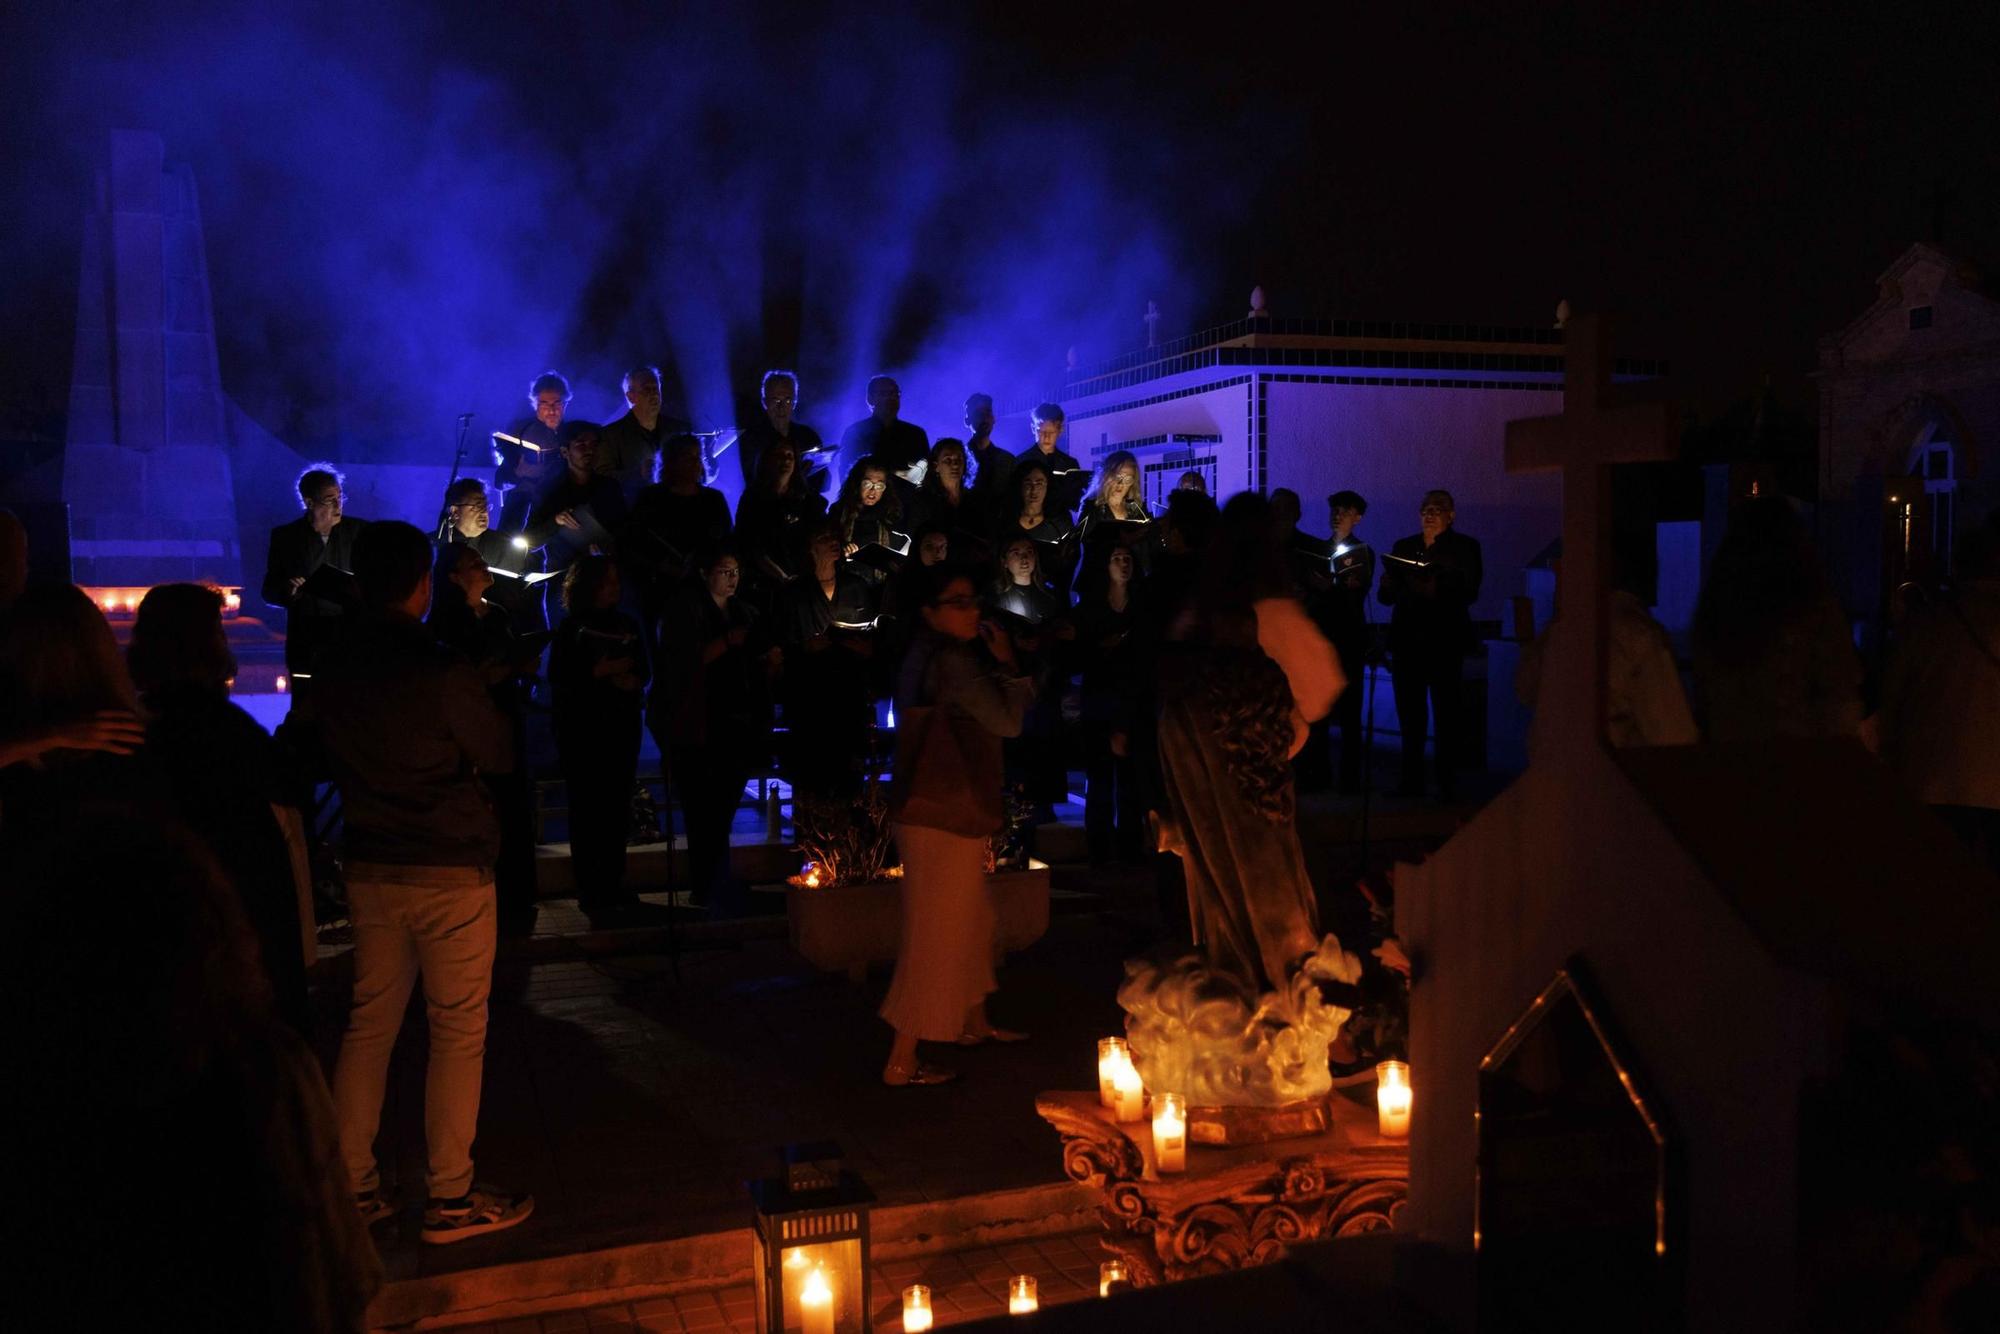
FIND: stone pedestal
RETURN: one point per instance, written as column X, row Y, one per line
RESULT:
column 1234, row 1206
column 848, row 927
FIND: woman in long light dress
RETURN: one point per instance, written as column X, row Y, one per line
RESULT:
column 944, row 967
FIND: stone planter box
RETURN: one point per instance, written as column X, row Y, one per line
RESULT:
column 846, row 929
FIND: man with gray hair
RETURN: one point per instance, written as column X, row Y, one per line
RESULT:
column 628, row 450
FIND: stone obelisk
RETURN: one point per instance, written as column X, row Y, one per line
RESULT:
column 146, row 468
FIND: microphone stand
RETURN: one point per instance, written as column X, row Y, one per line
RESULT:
column 457, row 462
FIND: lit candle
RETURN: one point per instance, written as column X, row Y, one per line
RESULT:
column 1111, row 1054
column 1109, row 1273
column 1021, row 1298
column 916, row 1308
column 1392, row 1099
column 816, row 1304
column 1130, row 1093
column 1170, row 1132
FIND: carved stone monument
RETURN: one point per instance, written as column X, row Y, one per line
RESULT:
column 147, row 468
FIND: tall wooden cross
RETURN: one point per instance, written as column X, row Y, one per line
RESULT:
column 1598, row 426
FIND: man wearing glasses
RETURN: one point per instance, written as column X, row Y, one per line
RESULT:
column 321, row 537
column 469, row 508
column 779, row 393
column 1431, row 579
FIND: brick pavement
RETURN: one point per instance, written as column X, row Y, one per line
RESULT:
column 965, row 1285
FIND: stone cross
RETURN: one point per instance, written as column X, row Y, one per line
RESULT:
column 1599, row 426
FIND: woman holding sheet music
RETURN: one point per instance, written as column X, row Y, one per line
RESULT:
column 1029, row 513
column 825, row 625
column 1038, row 618
column 1114, row 808
column 943, row 499
column 869, row 513
column 597, row 675
column 1113, row 516
column 772, row 520
column 710, row 711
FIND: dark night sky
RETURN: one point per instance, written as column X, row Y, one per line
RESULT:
column 409, row 210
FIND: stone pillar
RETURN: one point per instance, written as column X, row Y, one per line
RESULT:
column 146, row 468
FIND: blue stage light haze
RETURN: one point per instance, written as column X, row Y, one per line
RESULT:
column 408, row 215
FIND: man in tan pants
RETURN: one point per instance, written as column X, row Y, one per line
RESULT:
column 408, row 729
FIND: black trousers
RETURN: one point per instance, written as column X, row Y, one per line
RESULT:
column 1114, row 808
column 600, row 773
column 1432, row 679
column 1347, row 715
column 708, row 782
column 514, row 884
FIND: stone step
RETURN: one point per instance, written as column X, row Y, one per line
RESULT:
column 721, row 1259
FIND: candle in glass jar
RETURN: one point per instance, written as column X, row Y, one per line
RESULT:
column 1393, row 1099
column 816, row 1304
column 1131, row 1093
column 1111, row 1054
column 1170, row 1132
column 916, row 1308
column 1021, row 1297
column 1110, row 1273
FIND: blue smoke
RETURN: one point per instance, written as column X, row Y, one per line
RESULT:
column 409, row 213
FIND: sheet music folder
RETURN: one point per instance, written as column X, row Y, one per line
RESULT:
column 535, row 578
column 330, row 583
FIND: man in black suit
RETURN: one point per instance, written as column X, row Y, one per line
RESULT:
column 779, row 393
column 522, row 471
column 322, row 536
column 628, row 450
column 1431, row 579
column 1066, row 490
column 883, row 436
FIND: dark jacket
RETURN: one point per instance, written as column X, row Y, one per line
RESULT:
column 773, row 528
column 898, row 444
column 295, row 552
column 218, row 770
column 587, row 707
column 408, row 727
column 521, row 600
column 1065, row 493
column 629, row 454
column 664, row 534
column 989, row 473
column 564, row 492
column 1432, row 601
column 759, row 435
column 696, row 701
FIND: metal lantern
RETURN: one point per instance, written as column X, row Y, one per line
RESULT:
column 812, row 1245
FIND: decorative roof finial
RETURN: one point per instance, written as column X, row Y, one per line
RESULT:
column 1257, row 311
column 1562, row 314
